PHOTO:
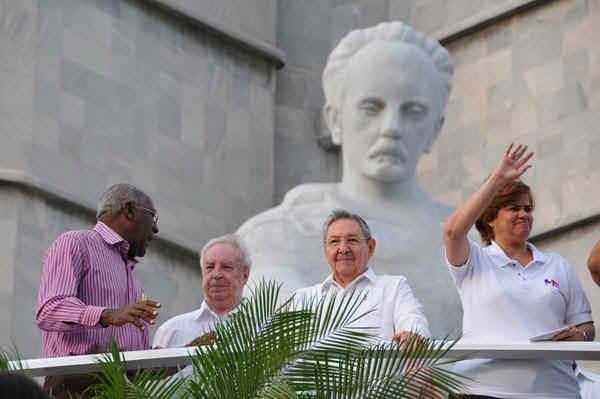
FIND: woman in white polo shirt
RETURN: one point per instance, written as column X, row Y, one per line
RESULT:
column 510, row 290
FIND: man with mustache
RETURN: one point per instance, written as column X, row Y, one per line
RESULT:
column 225, row 265
column 386, row 88
column 89, row 295
column 392, row 311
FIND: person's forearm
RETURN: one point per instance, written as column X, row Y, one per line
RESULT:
column 463, row 219
column 67, row 314
column 593, row 263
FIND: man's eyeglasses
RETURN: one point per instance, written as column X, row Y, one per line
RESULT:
column 336, row 242
column 152, row 212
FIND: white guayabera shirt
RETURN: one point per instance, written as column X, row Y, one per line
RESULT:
column 182, row 329
column 394, row 306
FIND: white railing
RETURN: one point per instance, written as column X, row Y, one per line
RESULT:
column 181, row 356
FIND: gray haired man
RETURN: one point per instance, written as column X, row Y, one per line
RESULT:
column 393, row 312
column 225, row 265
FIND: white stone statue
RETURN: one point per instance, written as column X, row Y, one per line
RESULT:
column 386, row 88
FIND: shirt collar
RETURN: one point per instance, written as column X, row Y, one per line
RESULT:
column 368, row 275
column 205, row 310
column 112, row 238
column 500, row 258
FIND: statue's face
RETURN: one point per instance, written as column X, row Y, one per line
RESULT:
column 388, row 115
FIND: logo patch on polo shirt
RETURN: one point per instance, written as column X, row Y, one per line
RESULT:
column 551, row 283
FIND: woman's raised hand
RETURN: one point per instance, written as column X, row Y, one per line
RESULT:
column 514, row 163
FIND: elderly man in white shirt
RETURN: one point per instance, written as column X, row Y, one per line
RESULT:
column 348, row 247
column 225, row 265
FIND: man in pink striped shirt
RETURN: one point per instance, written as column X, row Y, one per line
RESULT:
column 88, row 294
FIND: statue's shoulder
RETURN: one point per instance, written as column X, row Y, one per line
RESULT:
column 300, row 203
column 438, row 210
column 308, row 194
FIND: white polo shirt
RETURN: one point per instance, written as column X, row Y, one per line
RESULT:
column 395, row 308
column 589, row 383
column 182, row 329
column 506, row 302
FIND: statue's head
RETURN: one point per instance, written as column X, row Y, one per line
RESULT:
column 386, row 88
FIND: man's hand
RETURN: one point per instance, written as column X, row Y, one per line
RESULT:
column 406, row 337
column 582, row 332
column 206, row 339
column 133, row 313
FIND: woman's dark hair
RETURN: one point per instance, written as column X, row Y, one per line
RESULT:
column 13, row 385
column 505, row 197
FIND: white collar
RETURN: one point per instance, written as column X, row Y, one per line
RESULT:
column 500, row 258
column 205, row 310
column 369, row 274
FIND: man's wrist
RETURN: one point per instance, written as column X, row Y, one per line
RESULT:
column 104, row 317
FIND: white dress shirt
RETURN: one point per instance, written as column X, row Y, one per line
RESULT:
column 504, row 301
column 182, row 329
column 589, row 383
column 395, row 307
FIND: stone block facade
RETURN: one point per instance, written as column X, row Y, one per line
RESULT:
column 99, row 92
column 94, row 92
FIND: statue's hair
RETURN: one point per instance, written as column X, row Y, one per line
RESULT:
column 353, row 42
column 117, row 195
column 235, row 241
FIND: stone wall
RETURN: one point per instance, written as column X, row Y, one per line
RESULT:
column 30, row 222
column 525, row 71
column 94, row 92
column 256, row 19
column 536, row 82
column 98, row 92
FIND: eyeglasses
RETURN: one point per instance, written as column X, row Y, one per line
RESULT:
column 152, row 212
column 336, row 242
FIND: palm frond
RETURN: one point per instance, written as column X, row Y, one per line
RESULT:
column 277, row 388
column 251, row 347
column 336, row 323
column 382, row 371
column 5, row 363
column 297, row 350
column 115, row 384
column 10, row 360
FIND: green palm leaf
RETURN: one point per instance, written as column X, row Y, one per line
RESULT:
column 115, row 384
column 10, row 361
column 383, row 371
column 251, row 347
column 296, row 350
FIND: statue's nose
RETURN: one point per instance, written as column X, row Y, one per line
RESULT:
column 392, row 125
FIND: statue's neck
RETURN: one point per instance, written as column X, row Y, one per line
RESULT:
column 361, row 188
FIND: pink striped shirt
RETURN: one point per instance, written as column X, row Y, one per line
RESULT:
column 85, row 272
